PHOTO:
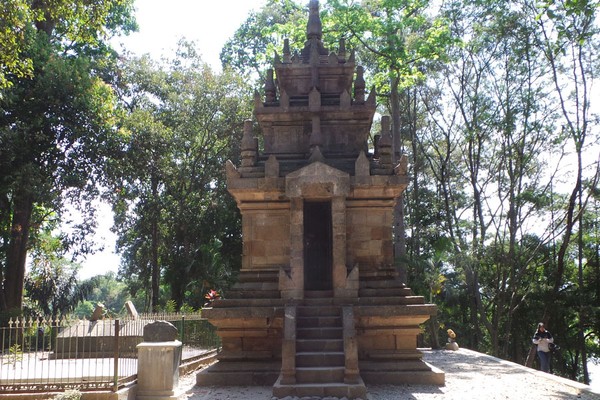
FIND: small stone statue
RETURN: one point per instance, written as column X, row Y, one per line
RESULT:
column 451, row 345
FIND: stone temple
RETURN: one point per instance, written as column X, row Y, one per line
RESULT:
column 319, row 309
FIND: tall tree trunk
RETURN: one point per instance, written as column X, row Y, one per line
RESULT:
column 411, row 128
column 16, row 256
column 399, row 228
column 597, row 253
column 396, row 125
column 582, row 301
column 154, row 250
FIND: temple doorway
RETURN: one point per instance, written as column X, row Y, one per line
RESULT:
column 318, row 244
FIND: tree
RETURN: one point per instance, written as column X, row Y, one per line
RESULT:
column 254, row 43
column 491, row 121
column 16, row 16
column 175, row 221
column 57, row 122
column 81, row 23
column 51, row 283
column 106, row 290
column 568, row 37
column 399, row 41
column 496, row 146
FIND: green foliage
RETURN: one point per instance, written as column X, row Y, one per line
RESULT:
column 186, row 308
column 175, row 221
column 170, row 307
column 15, row 355
column 51, row 283
column 84, row 309
column 400, row 37
column 77, row 25
column 393, row 37
column 254, row 43
column 107, row 290
column 13, row 26
column 69, row 395
column 57, row 122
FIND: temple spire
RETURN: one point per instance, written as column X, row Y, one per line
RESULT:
column 314, row 28
column 314, row 32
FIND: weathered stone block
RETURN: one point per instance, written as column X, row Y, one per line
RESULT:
column 160, row 331
column 231, row 344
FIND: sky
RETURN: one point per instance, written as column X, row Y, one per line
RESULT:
column 209, row 23
column 161, row 25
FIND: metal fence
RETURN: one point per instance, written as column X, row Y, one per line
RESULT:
column 196, row 334
column 54, row 355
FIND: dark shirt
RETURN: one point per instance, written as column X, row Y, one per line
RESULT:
column 543, row 345
column 541, row 335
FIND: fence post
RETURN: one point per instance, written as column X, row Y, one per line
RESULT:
column 183, row 329
column 116, row 361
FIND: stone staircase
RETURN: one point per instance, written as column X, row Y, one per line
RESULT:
column 320, row 359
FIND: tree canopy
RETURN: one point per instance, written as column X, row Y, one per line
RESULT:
column 175, row 221
column 57, row 119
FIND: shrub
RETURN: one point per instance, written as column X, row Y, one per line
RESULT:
column 69, row 395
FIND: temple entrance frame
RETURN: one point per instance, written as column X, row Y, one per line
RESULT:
column 317, row 182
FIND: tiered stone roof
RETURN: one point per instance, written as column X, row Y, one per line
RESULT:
column 314, row 109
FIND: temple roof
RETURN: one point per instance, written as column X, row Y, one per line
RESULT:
column 314, row 109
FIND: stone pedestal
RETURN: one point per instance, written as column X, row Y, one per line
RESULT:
column 158, row 362
column 158, row 370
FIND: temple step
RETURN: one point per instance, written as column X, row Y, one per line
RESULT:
column 385, row 292
column 248, row 302
column 320, row 359
column 251, row 286
column 316, row 345
column 258, row 294
column 388, row 273
column 318, row 294
column 321, row 321
column 381, row 284
column 321, row 310
column 320, row 333
column 329, row 374
column 321, row 390
column 391, row 301
column 259, row 275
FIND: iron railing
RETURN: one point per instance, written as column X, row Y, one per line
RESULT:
column 58, row 354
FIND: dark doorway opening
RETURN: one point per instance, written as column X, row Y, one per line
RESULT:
column 318, row 243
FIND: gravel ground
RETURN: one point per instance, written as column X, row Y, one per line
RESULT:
column 469, row 375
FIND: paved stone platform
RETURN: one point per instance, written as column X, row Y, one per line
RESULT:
column 469, row 375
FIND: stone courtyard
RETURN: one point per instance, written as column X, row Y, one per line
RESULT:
column 469, row 376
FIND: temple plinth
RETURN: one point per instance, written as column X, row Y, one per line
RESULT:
column 318, row 309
